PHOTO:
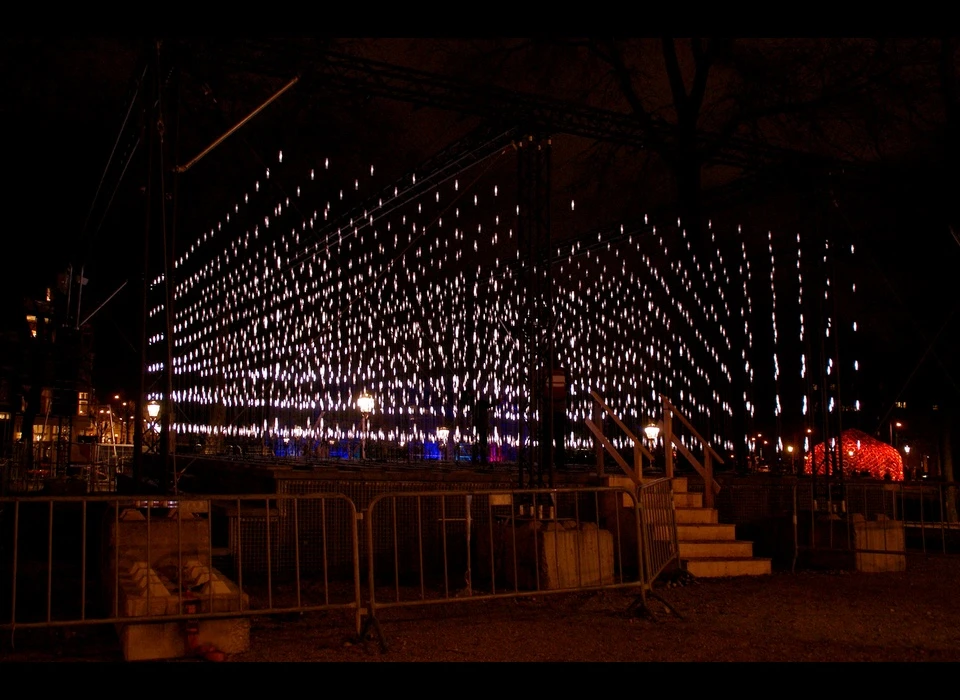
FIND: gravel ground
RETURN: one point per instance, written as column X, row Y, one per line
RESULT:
column 835, row 616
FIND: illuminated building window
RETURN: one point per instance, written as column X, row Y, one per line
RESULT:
column 83, row 403
column 32, row 322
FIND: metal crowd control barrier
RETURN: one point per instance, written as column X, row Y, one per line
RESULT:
column 877, row 518
column 148, row 563
column 127, row 561
column 658, row 519
column 435, row 547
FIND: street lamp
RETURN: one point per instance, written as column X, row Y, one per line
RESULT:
column 153, row 411
column 793, row 459
column 652, row 431
column 893, row 434
column 442, row 434
column 365, row 404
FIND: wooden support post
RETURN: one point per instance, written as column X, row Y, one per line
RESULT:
column 597, row 446
column 667, row 439
column 708, row 494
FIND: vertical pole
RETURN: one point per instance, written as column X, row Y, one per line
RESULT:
column 69, row 293
column 544, row 244
column 522, row 235
column 167, row 441
column 597, row 446
column 79, row 297
column 144, row 282
column 708, row 494
column 667, row 438
column 637, row 461
column 836, row 355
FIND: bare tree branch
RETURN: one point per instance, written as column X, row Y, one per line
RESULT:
column 611, row 54
column 703, row 62
column 674, row 75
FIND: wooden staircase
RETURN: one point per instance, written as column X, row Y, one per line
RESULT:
column 707, row 547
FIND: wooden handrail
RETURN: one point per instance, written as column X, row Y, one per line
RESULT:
column 609, row 411
column 709, row 454
column 596, row 427
column 683, row 419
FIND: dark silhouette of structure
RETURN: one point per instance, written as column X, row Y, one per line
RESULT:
column 481, row 425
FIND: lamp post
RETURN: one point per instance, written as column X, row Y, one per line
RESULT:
column 442, row 434
column 153, row 412
column 365, row 404
column 652, row 432
column 906, row 454
column 894, row 426
column 793, row 459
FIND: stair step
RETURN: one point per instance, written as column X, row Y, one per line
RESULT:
column 688, row 500
column 706, row 531
column 679, row 484
column 714, row 549
column 696, row 515
column 715, row 567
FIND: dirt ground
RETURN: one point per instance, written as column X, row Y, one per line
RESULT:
column 816, row 616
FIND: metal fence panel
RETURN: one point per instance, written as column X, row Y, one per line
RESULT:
column 76, row 560
column 480, row 544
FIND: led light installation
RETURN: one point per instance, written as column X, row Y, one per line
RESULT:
column 303, row 296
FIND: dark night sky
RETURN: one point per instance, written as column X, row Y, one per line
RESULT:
column 66, row 101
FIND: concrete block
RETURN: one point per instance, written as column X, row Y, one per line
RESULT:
column 549, row 555
column 576, row 558
column 215, row 588
column 167, row 538
column 887, row 540
column 194, row 507
column 142, row 578
column 169, row 640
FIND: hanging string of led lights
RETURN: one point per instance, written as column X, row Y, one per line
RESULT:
column 777, row 408
column 746, row 311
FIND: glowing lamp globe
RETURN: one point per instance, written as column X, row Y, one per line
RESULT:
column 365, row 404
column 153, row 409
column 652, row 431
column 443, row 433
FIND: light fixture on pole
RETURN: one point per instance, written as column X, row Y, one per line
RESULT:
column 153, row 412
column 894, row 428
column 652, row 431
column 442, row 434
column 365, row 404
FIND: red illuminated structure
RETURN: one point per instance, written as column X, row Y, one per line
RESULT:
column 863, row 455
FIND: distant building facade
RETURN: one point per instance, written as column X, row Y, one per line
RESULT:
column 46, row 392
